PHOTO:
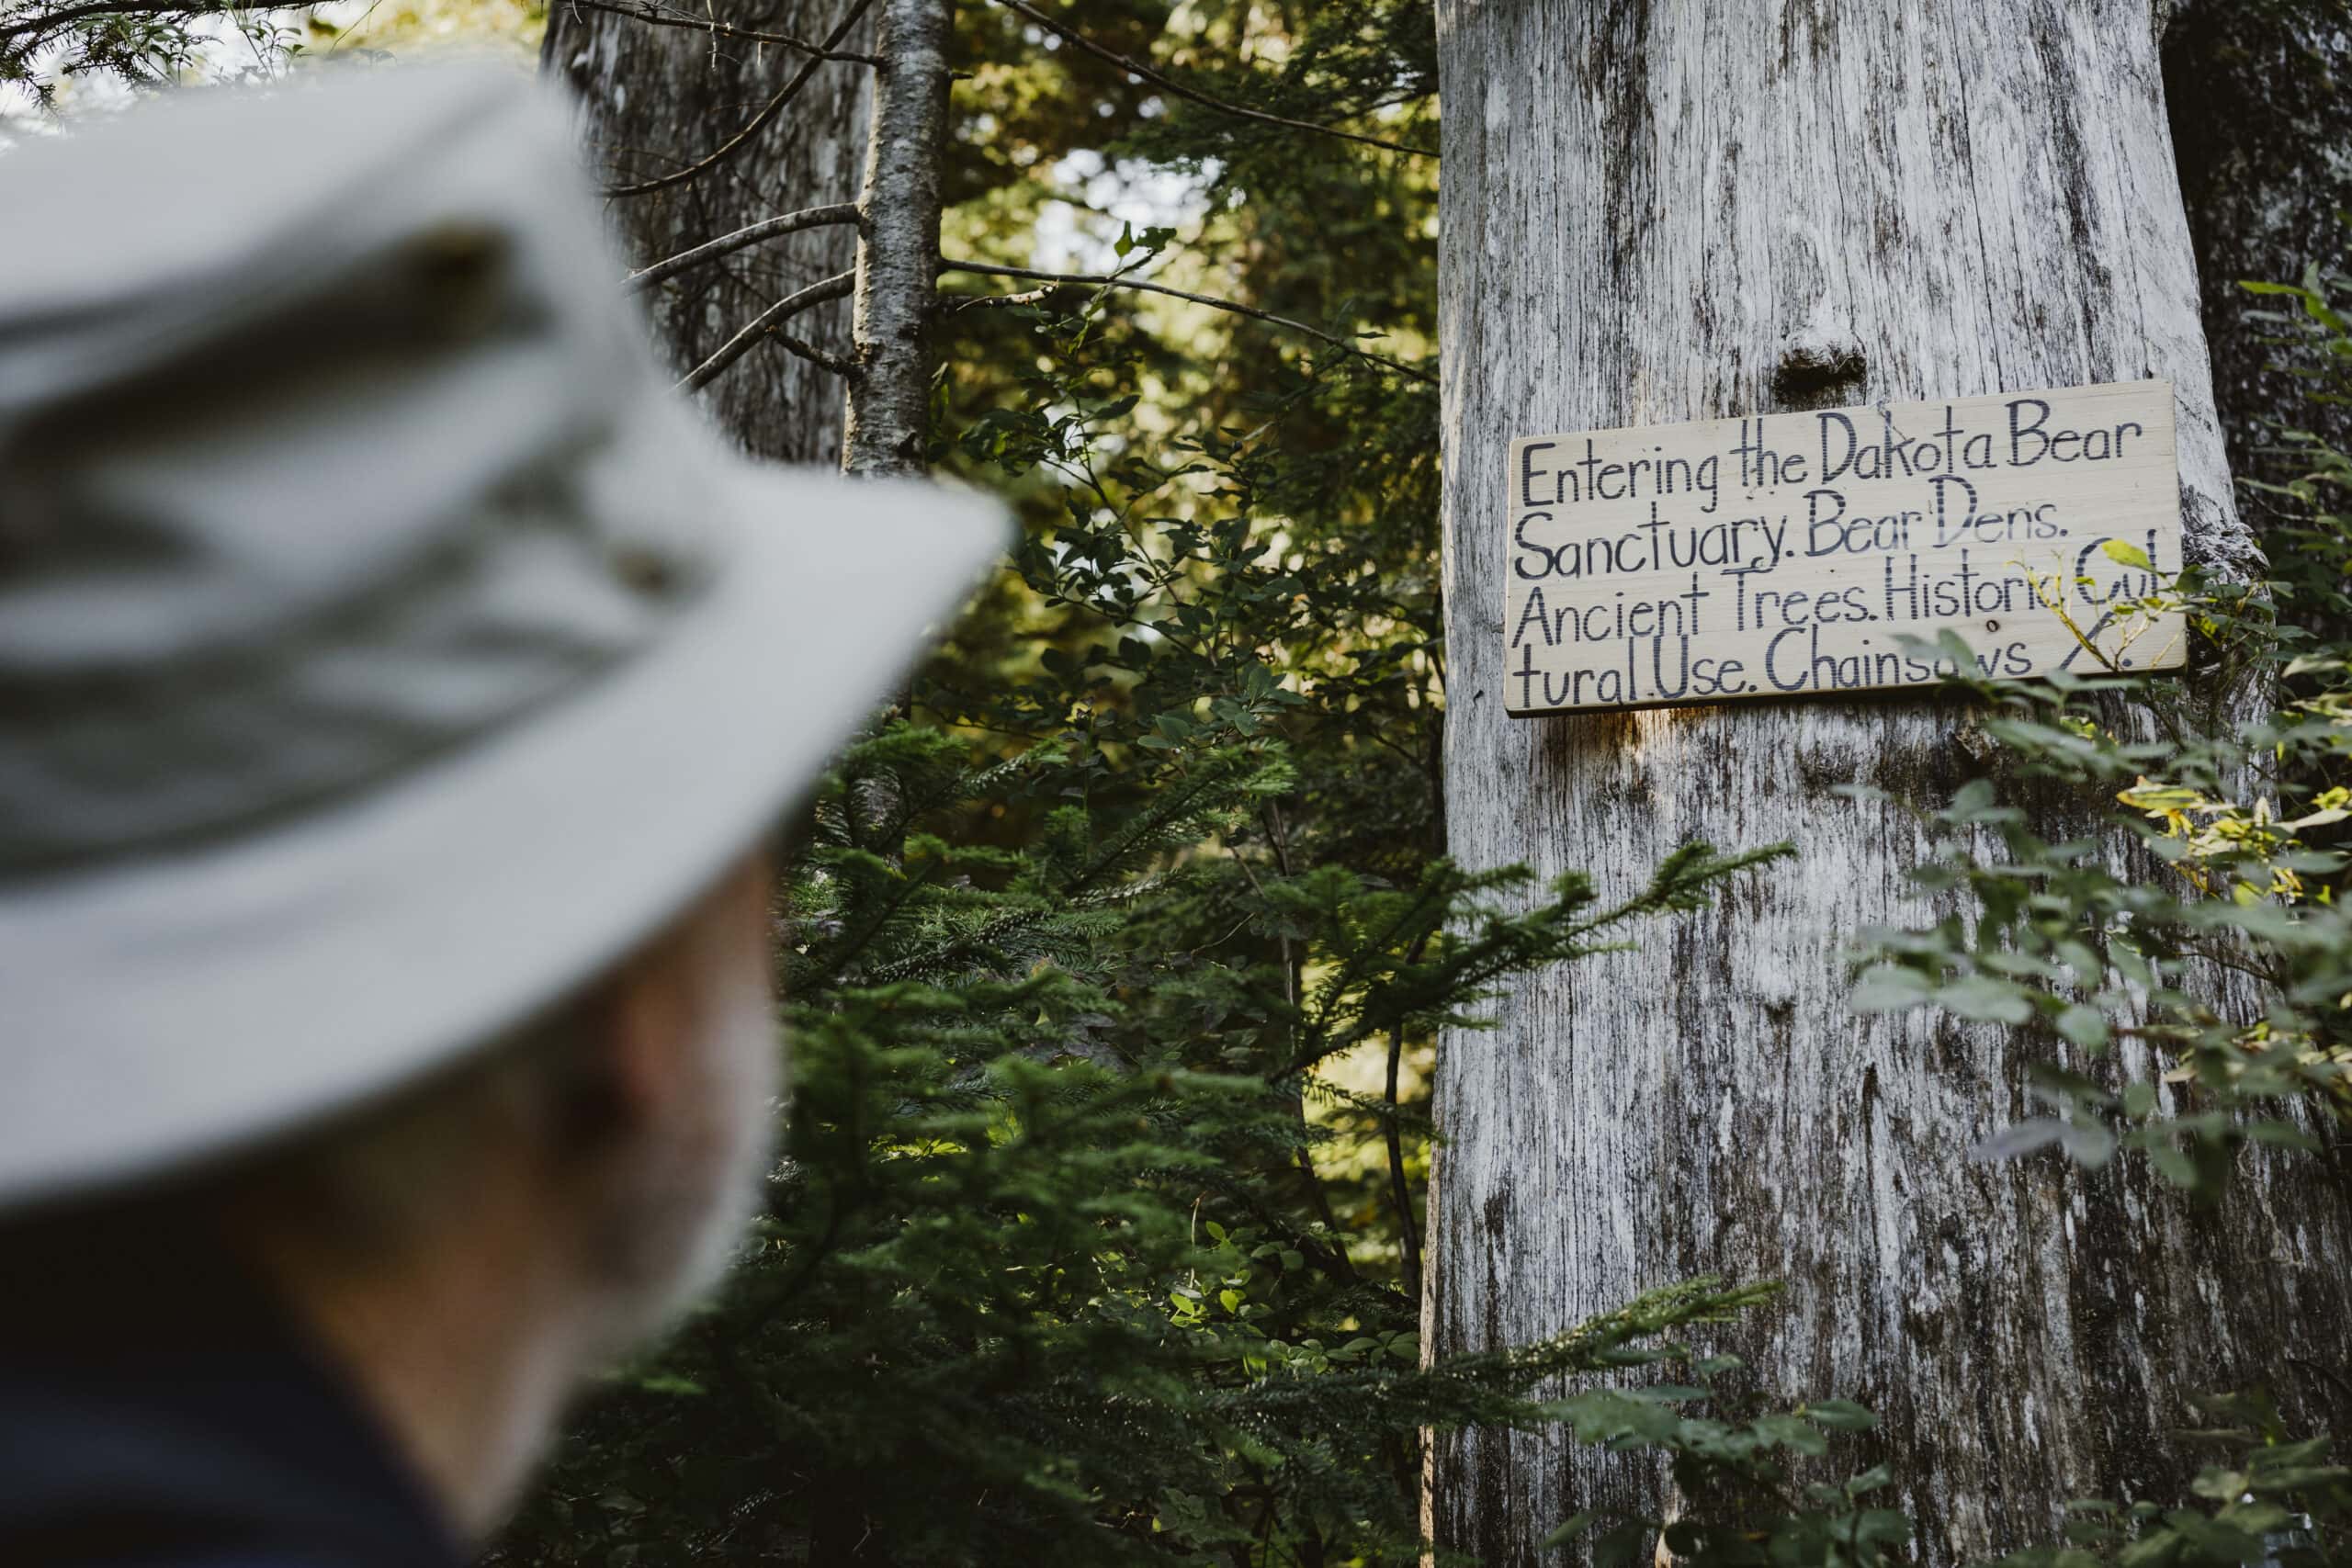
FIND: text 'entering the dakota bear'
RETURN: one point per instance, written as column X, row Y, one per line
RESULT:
column 1817, row 552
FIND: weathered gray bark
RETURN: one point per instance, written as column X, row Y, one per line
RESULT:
column 898, row 263
column 2260, row 94
column 1649, row 210
column 658, row 97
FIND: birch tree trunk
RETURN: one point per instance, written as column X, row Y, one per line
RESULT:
column 658, row 97
column 898, row 258
column 1686, row 210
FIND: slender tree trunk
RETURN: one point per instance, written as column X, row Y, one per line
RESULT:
column 1649, row 211
column 656, row 98
column 898, row 258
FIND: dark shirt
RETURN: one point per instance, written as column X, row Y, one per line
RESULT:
column 157, row 1410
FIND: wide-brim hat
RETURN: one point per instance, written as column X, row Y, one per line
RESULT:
column 384, row 650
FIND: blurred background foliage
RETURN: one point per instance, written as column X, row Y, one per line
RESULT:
column 1115, row 957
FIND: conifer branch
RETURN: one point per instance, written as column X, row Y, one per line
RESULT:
column 1134, row 67
column 48, row 22
column 1112, row 280
column 662, row 16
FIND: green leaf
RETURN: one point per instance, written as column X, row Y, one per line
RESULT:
column 662, row 1383
column 1793, row 1432
column 2087, row 1142
column 2086, row 1026
column 1668, row 1392
column 1871, row 1479
column 1841, row 1415
column 1971, row 801
column 1985, row 999
column 1621, row 1547
column 1568, row 1530
column 1888, row 987
column 2127, row 554
column 2020, row 1138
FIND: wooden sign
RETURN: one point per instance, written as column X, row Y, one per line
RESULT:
column 1809, row 553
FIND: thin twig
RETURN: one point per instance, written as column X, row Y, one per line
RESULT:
column 998, row 301
column 1098, row 280
column 1400, row 1191
column 1292, row 962
column 736, row 142
column 750, row 234
column 763, row 325
column 1408, row 1228
column 813, row 355
column 663, row 17
column 1129, row 63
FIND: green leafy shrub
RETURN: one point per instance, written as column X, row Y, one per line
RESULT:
column 2198, row 914
column 1042, row 1284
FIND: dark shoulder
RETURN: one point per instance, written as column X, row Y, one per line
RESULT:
column 202, row 1557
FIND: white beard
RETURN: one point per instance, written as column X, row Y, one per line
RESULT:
column 747, row 1053
column 698, row 1183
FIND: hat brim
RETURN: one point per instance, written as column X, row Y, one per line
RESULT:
column 171, row 1010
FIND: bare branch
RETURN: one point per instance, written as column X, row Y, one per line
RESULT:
column 667, row 16
column 765, row 324
column 1001, row 302
column 735, row 143
column 750, row 234
column 813, row 355
column 1114, row 281
column 1130, row 64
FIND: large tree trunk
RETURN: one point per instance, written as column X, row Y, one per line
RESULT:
column 1648, row 210
column 2261, row 103
column 658, row 98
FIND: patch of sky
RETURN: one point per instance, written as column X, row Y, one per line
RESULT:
column 1079, row 233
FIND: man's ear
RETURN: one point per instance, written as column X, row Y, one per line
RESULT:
column 617, row 1067
column 640, row 1025
column 643, row 1019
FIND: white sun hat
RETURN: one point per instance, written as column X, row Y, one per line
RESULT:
column 384, row 650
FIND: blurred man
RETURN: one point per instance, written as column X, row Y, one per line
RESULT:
column 395, row 688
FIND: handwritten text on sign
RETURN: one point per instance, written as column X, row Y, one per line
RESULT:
column 1796, row 552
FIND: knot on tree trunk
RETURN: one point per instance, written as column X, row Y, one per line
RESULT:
column 1822, row 365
